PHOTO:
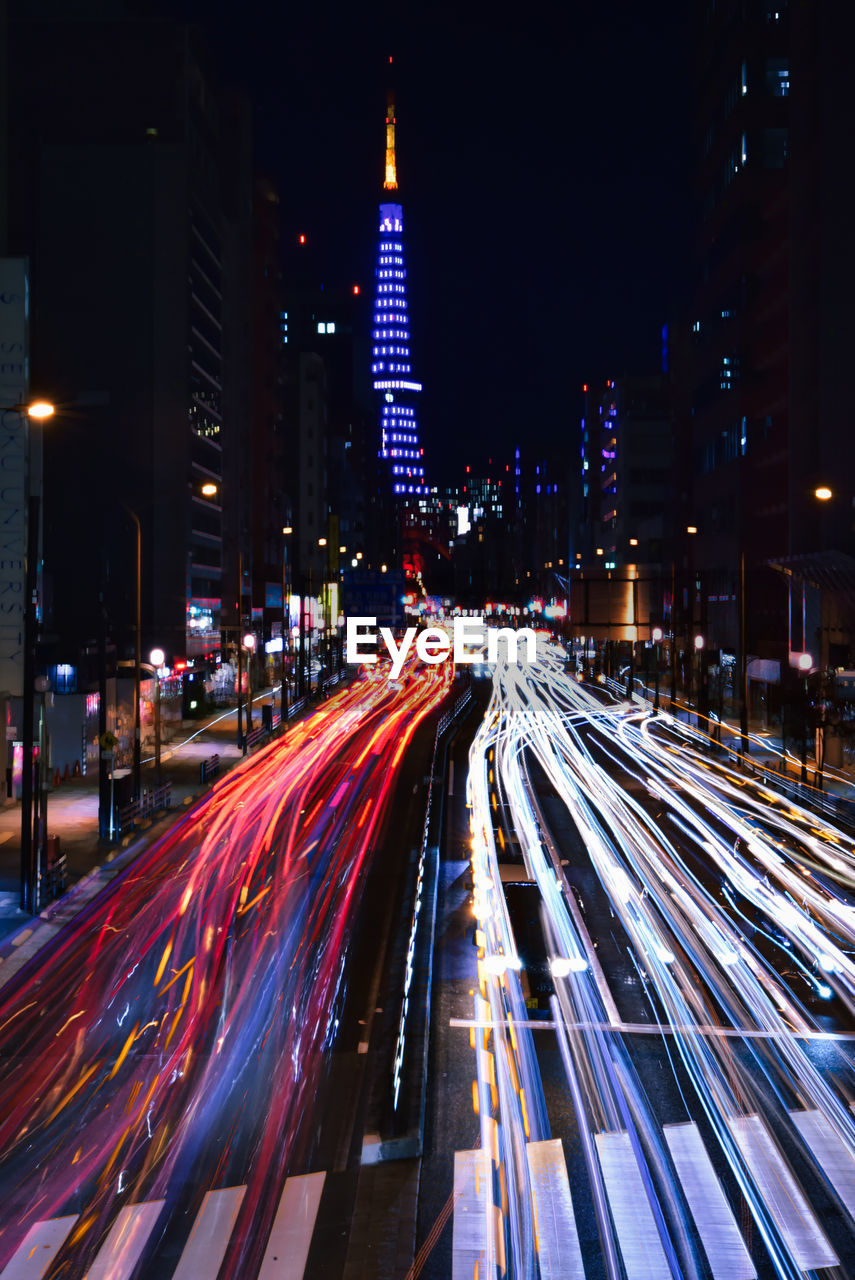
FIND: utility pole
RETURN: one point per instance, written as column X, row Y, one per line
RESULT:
column 28, row 852
column 240, row 737
column 743, row 660
column 104, row 765
column 137, row 761
column 673, row 697
column 283, row 656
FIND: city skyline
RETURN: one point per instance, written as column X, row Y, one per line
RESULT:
column 545, row 175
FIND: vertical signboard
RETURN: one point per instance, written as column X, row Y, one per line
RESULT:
column 14, row 389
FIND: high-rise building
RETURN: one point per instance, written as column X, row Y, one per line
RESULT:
column 764, row 377
column 626, row 473
column 391, row 366
column 131, row 193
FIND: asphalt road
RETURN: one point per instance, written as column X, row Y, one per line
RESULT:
column 697, row 932
column 166, row 1065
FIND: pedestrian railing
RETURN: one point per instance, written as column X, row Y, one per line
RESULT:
column 209, row 769
column 253, row 738
column 149, row 803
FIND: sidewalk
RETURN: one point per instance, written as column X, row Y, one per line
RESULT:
column 91, row 861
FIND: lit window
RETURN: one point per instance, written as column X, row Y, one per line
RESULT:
column 322, row 328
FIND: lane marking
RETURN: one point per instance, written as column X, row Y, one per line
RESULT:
column 204, row 1251
column 782, row 1194
column 557, row 1238
column 293, row 1226
column 663, row 1029
column 830, row 1152
column 127, row 1238
column 635, row 1226
column 472, row 1249
column 38, row 1249
column 728, row 1257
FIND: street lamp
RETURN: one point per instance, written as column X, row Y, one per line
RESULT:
column 823, row 493
column 36, row 411
column 40, row 409
column 286, row 615
column 137, row 655
column 158, row 657
column 657, row 640
column 248, row 643
column 805, row 664
column 42, row 684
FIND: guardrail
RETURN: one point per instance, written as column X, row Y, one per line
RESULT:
column 148, row 804
column 427, row 872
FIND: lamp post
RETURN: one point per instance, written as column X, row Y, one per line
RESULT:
column 287, row 530
column 657, row 640
column 158, row 657
column 323, row 642
column 37, row 411
column 137, row 762
column 295, row 644
column 699, row 649
column 248, row 643
column 240, row 738
column 743, row 660
column 805, row 664
column 41, row 685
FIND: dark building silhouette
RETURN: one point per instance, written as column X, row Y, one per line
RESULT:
column 131, row 191
column 273, row 466
column 626, row 462
column 762, row 376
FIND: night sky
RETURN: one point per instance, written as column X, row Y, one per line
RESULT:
column 543, row 173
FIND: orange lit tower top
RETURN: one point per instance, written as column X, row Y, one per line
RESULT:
column 390, row 182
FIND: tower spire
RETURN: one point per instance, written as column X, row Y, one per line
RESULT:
column 390, row 182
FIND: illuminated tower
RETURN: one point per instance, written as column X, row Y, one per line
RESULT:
column 390, row 365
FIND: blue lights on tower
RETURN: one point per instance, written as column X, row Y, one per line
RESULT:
column 390, row 363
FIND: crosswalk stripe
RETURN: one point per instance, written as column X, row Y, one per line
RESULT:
column 725, row 1249
column 472, row 1196
column 204, row 1251
column 128, row 1235
column 557, row 1239
column 638, row 1235
column 782, row 1194
column 38, row 1249
column 830, row 1152
column 291, row 1236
